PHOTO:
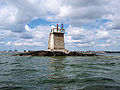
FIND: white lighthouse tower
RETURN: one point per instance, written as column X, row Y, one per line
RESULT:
column 56, row 39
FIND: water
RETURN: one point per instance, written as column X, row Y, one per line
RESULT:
column 59, row 73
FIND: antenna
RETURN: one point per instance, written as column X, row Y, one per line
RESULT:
column 57, row 27
column 61, row 26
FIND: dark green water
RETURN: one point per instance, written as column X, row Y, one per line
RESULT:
column 59, row 73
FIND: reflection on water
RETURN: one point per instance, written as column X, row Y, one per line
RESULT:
column 59, row 73
column 56, row 64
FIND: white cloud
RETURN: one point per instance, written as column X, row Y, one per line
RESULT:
column 79, row 37
column 2, row 43
column 9, row 43
column 82, row 45
column 81, row 12
column 102, row 34
column 16, row 14
column 103, row 45
column 27, row 44
column 32, row 37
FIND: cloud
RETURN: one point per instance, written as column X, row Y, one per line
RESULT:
column 102, row 34
column 103, row 45
column 83, row 3
column 36, row 37
column 16, row 14
column 82, row 16
column 26, row 44
column 79, row 37
column 26, row 36
column 2, row 43
column 81, row 12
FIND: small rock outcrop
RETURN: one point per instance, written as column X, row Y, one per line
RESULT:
column 55, row 53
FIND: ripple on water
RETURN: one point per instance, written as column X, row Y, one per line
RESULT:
column 101, row 87
column 13, row 88
column 71, row 73
column 83, row 75
column 97, row 80
column 15, row 63
column 24, row 70
column 76, row 80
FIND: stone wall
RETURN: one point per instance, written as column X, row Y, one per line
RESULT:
column 56, row 41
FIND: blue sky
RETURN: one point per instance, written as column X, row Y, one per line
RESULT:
column 40, row 21
column 90, row 25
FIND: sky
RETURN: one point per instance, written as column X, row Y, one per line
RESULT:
column 89, row 24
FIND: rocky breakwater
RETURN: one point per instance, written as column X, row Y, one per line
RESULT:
column 55, row 53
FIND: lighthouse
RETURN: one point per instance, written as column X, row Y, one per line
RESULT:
column 56, row 39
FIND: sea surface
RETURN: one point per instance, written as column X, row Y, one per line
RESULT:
column 60, row 73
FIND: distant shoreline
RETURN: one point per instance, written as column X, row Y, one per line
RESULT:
column 112, row 51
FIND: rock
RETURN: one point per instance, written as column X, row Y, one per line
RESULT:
column 55, row 53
